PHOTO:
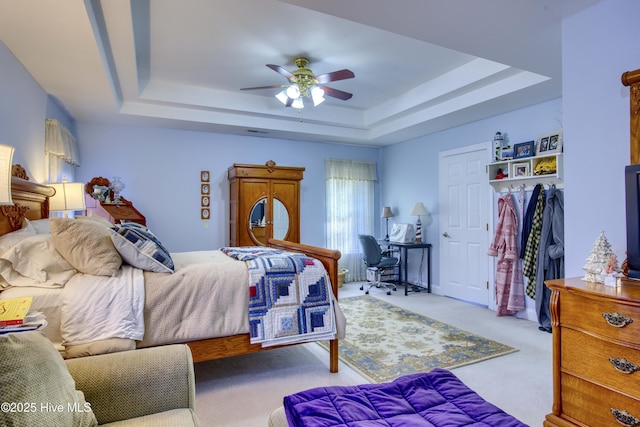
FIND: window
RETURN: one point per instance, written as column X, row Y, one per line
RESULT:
column 350, row 207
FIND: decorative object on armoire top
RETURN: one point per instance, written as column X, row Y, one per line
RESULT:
column 599, row 260
column 386, row 214
column 69, row 197
column 419, row 210
column 116, row 186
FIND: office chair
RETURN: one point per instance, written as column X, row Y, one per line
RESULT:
column 373, row 259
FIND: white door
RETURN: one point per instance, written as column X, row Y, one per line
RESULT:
column 464, row 218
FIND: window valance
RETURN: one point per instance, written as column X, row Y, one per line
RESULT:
column 350, row 169
column 59, row 142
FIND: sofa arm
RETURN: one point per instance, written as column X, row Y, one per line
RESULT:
column 135, row 383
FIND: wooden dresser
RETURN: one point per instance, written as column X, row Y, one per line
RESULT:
column 596, row 353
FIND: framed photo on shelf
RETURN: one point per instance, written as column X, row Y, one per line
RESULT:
column 521, row 169
column 506, row 153
column 524, row 149
column 549, row 143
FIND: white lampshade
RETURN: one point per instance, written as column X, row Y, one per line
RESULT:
column 6, row 157
column 69, row 197
column 386, row 212
column 419, row 210
column 293, row 92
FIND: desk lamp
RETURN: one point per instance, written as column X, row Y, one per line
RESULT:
column 419, row 210
column 69, row 197
column 386, row 214
column 6, row 157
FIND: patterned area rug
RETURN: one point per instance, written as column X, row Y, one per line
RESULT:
column 384, row 341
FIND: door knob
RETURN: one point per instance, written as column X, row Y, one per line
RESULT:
column 445, row 234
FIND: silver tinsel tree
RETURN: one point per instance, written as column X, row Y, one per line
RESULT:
column 598, row 259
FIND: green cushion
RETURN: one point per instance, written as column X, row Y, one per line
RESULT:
column 35, row 385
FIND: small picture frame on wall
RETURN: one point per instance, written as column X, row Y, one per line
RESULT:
column 549, row 143
column 204, row 189
column 205, row 201
column 205, row 213
column 524, row 149
column 204, row 176
column 521, row 170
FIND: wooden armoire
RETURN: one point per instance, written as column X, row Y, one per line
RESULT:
column 264, row 202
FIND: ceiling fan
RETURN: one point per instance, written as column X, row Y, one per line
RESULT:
column 303, row 83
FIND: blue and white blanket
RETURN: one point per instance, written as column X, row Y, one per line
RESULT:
column 290, row 297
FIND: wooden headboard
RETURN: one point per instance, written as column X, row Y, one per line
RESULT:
column 632, row 79
column 30, row 200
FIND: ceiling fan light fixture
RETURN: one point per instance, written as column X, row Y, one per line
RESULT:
column 282, row 97
column 293, row 91
column 317, row 95
column 297, row 103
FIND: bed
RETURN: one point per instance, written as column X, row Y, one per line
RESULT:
column 31, row 202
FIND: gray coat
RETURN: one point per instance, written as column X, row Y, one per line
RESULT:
column 550, row 264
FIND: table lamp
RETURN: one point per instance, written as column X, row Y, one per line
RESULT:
column 386, row 214
column 6, row 157
column 419, row 210
column 69, row 197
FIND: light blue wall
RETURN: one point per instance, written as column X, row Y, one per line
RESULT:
column 161, row 171
column 599, row 44
column 23, row 106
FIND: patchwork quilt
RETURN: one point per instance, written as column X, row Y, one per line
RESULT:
column 434, row 399
column 290, row 297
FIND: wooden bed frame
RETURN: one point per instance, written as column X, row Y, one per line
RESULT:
column 632, row 79
column 31, row 201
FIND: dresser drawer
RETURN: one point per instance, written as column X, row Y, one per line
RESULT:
column 594, row 405
column 591, row 314
column 588, row 357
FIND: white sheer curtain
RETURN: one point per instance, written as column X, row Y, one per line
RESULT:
column 350, row 205
column 61, row 150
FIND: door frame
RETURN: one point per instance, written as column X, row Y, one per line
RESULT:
column 488, row 146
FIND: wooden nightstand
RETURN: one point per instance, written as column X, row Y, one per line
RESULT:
column 114, row 213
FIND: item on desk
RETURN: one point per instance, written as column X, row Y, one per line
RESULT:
column 402, row 233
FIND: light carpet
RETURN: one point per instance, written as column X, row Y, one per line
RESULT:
column 384, row 341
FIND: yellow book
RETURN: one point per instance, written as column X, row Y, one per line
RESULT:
column 13, row 311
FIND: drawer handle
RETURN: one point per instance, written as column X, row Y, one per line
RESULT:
column 617, row 320
column 624, row 366
column 625, row 418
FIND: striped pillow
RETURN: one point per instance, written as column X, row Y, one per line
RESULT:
column 140, row 248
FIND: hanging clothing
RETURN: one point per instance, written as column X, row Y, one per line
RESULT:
column 528, row 218
column 509, row 284
column 550, row 263
column 533, row 242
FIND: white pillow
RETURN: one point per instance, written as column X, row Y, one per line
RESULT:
column 10, row 239
column 40, row 225
column 35, row 258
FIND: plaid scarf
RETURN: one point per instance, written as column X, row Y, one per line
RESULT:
column 531, row 249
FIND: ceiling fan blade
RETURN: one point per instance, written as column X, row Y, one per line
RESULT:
column 335, row 93
column 278, row 69
column 261, row 87
column 335, row 76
